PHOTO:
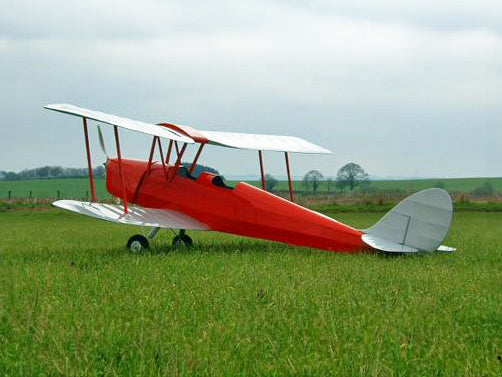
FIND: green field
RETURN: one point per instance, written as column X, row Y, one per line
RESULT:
column 449, row 184
column 79, row 188
column 48, row 188
column 74, row 301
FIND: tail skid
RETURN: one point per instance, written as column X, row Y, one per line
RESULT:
column 418, row 223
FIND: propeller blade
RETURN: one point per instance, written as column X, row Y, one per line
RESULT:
column 102, row 142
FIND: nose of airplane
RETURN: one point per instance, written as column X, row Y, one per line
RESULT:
column 129, row 177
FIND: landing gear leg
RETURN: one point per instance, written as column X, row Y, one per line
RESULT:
column 182, row 239
column 152, row 233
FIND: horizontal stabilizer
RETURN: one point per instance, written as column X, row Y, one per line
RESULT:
column 446, row 249
column 386, row 245
column 114, row 120
column 418, row 223
column 159, row 218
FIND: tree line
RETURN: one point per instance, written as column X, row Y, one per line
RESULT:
column 47, row 172
column 353, row 175
column 349, row 176
column 44, row 172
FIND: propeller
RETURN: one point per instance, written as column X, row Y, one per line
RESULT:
column 102, row 143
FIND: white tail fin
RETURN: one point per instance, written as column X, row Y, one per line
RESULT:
column 418, row 223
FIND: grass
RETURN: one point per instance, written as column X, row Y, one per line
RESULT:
column 79, row 187
column 73, row 301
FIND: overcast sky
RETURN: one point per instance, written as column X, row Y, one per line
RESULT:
column 404, row 88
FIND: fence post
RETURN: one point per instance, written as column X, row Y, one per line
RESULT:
column 58, row 194
column 9, row 194
column 87, row 194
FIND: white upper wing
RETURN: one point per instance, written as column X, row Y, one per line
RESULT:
column 161, row 218
column 115, row 120
column 262, row 142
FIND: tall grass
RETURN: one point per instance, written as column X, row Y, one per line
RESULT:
column 73, row 301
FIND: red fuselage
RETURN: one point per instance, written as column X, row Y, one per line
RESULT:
column 243, row 210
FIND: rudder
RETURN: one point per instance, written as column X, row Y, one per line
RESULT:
column 418, row 223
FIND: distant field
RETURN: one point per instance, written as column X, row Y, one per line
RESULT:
column 79, row 188
column 74, row 301
column 48, row 188
column 449, row 184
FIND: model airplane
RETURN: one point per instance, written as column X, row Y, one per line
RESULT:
column 164, row 194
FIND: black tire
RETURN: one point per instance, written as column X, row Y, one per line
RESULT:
column 138, row 243
column 182, row 240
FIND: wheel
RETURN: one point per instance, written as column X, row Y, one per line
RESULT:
column 138, row 243
column 182, row 240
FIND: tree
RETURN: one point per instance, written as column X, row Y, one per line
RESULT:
column 313, row 178
column 340, row 185
column 55, row 171
column 352, row 175
column 43, row 172
column 366, row 188
column 329, row 184
column 439, row 184
column 99, row 171
column 486, row 189
column 270, row 182
column 11, row 176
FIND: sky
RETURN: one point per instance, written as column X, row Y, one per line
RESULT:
column 405, row 89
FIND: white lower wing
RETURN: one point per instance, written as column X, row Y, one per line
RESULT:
column 161, row 218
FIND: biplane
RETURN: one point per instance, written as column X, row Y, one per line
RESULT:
column 164, row 193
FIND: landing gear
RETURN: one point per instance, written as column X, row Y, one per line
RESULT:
column 138, row 243
column 182, row 240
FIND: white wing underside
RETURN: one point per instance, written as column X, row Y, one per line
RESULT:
column 135, row 125
column 149, row 217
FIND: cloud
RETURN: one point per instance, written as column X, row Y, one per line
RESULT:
column 369, row 81
column 439, row 15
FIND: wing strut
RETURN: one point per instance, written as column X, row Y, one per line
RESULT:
column 169, row 149
column 148, row 168
column 196, row 158
column 262, row 170
column 89, row 164
column 291, row 197
column 119, row 156
column 162, row 157
column 180, row 154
